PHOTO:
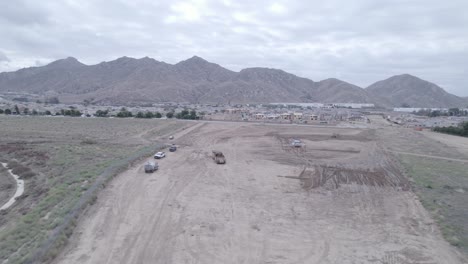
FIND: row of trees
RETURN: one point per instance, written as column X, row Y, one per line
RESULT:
column 436, row 113
column 27, row 111
column 185, row 114
column 148, row 115
column 461, row 130
column 70, row 112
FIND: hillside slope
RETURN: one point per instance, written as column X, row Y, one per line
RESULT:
column 410, row 90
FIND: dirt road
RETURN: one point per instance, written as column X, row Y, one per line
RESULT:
column 337, row 200
column 430, row 156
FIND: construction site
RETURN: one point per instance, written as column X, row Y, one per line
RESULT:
column 281, row 194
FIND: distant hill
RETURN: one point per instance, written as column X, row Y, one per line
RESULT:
column 409, row 90
column 195, row 80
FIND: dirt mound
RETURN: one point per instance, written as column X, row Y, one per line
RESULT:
column 331, row 177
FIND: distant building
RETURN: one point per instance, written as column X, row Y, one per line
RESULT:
column 310, row 117
column 259, row 116
column 353, row 105
column 416, row 109
column 287, row 116
column 297, row 116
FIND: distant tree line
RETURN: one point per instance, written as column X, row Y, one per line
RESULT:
column 461, row 130
column 148, row 115
column 69, row 112
column 186, row 114
column 25, row 111
column 123, row 113
column 436, row 113
column 102, row 113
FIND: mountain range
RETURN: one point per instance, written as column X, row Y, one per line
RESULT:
column 195, row 80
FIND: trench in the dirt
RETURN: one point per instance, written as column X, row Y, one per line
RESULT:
column 19, row 188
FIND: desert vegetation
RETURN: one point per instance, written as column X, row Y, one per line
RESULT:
column 441, row 186
column 461, row 130
column 63, row 162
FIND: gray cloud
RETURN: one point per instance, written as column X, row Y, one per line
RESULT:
column 3, row 57
column 360, row 42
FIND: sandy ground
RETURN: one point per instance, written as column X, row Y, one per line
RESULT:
column 337, row 200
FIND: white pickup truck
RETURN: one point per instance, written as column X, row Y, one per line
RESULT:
column 159, row 155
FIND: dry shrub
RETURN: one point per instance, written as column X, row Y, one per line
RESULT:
column 88, row 141
column 19, row 170
column 13, row 164
column 27, row 175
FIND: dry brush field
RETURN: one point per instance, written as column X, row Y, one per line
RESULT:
column 61, row 160
column 437, row 167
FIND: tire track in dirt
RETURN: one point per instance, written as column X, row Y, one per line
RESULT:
column 118, row 210
column 208, row 141
column 162, row 217
column 428, row 156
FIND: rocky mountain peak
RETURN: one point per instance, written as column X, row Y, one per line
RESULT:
column 195, row 61
column 69, row 62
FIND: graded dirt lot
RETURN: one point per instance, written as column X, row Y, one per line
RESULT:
column 335, row 200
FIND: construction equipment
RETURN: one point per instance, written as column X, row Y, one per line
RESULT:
column 151, row 166
column 218, row 157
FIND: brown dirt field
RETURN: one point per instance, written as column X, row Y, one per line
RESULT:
column 338, row 200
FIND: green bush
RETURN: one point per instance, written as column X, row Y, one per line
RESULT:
column 461, row 130
column 185, row 114
column 20, row 170
column 124, row 113
column 102, row 113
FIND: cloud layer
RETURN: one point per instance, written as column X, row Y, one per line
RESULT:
column 358, row 41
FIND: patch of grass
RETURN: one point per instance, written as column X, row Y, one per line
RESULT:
column 440, row 185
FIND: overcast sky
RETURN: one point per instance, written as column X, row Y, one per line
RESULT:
column 359, row 41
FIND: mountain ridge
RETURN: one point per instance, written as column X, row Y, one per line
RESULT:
column 128, row 80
